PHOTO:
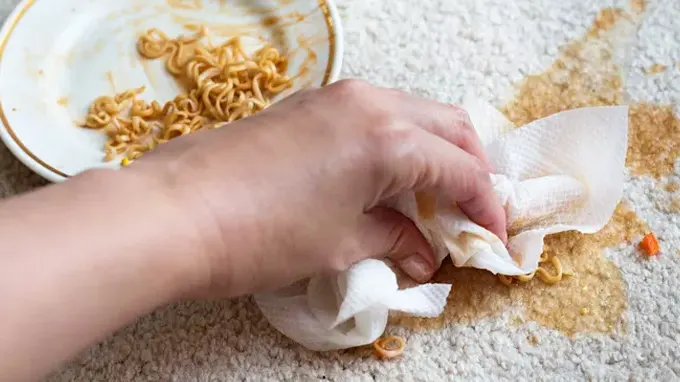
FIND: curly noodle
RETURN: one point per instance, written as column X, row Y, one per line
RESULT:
column 223, row 84
column 541, row 272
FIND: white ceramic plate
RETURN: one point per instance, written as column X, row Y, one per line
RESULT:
column 57, row 56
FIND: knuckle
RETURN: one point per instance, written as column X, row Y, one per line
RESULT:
column 346, row 254
column 467, row 139
column 391, row 155
column 458, row 110
column 350, row 88
column 459, row 129
column 459, row 114
column 342, row 259
column 461, row 120
column 338, row 265
column 386, row 135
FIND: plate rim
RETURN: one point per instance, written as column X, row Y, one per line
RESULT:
column 31, row 160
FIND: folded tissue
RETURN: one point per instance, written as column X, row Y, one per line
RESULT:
column 563, row 172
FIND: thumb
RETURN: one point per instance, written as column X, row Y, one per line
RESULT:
column 384, row 232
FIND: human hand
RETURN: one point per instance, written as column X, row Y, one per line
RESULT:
column 296, row 190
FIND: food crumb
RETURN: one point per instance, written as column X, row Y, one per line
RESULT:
column 672, row 186
column 650, row 245
column 534, row 340
column 656, row 68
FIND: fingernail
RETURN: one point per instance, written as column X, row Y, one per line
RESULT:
column 416, row 267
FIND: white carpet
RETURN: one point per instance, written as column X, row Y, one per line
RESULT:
column 441, row 49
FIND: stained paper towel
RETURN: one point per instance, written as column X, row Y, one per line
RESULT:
column 564, row 172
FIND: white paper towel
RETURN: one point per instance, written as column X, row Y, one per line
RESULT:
column 564, row 172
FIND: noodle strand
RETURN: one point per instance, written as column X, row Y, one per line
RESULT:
column 541, row 272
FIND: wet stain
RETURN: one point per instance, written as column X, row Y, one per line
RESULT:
column 310, row 60
column 427, row 205
column 267, row 22
column 585, row 74
column 654, row 140
column 270, row 29
column 63, row 101
column 594, row 298
column 476, row 294
column 288, row 19
column 222, row 30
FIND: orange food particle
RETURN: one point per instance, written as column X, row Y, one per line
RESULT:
column 650, row 245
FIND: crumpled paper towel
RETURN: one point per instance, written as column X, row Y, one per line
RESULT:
column 564, row 172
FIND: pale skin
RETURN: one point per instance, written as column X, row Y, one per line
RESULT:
column 287, row 194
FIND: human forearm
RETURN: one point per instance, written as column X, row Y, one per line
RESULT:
column 83, row 258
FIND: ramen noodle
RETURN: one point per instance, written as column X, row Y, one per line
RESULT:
column 223, row 84
column 389, row 347
column 541, row 272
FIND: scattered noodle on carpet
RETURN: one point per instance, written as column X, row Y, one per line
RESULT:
column 541, row 272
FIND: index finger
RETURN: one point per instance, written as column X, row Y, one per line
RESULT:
column 447, row 121
column 430, row 162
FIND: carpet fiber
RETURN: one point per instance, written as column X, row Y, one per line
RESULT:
column 616, row 319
